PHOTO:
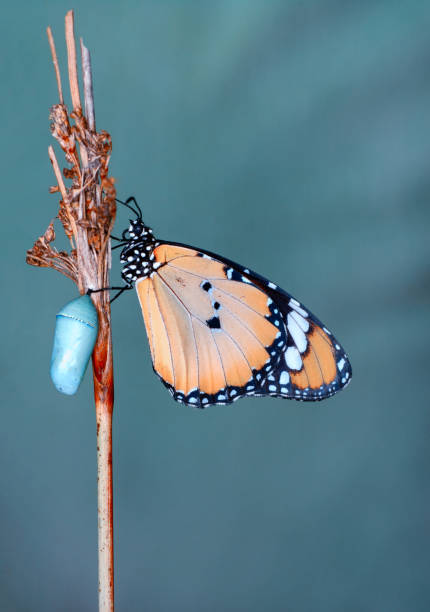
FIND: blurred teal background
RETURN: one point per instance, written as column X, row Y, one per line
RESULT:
column 293, row 137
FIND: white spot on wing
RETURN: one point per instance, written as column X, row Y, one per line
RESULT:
column 294, row 304
column 297, row 334
column 340, row 364
column 293, row 359
column 272, row 285
column 284, row 378
column 303, row 323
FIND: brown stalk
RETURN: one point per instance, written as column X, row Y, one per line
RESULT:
column 87, row 212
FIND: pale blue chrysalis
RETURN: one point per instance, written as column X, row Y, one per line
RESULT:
column 75, row 335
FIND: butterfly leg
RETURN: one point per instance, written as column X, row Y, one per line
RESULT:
column 119, row 289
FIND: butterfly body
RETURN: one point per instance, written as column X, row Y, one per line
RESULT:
column 218, row 331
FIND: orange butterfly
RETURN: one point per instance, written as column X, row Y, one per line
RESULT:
column 218, row 331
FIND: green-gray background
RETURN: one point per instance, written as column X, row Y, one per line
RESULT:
column 293, row 137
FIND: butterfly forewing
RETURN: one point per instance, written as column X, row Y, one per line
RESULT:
column 314, row 365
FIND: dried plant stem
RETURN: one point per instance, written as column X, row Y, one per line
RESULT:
column 103, row 395
column 87, row 212
column 71, row 59
column 57, row 172
column 105, row 507
column 56, row 66
column 88, row 87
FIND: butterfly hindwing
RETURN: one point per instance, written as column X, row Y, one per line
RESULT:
column 214, row 335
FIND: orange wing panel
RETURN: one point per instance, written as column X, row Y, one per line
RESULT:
column 211, row 374
column 236, row 368
column 319, row 365
column 325, row 353
column 201, row 266
column 254, row 352
column 144, row 291
column 263, row 329
column 312, row 367
column 181, row 337
column 187, row 287
column 155, row 330
column 167, row 252
column 299, row 379
column 254, row 298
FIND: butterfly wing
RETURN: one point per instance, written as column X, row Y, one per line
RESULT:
column 218, row 331
column 314, row 364
column 213, row 335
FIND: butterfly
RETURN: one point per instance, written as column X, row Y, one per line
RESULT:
column 218, row 331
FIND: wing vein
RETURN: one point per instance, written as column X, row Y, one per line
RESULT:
column 204, row 323
column 167, row 334
column 324, row 337
column 318, row 361
column 223, row 290
column 150, row 324
column 192, row 328
column 243, row 325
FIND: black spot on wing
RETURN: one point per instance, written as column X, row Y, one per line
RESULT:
column 214, row 323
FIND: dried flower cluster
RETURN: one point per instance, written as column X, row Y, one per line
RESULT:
column 87, row 208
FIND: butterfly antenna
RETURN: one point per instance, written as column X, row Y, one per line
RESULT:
column 133, row 199
column 137, row 212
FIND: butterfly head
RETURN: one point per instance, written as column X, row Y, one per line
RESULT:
column 137, row 230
